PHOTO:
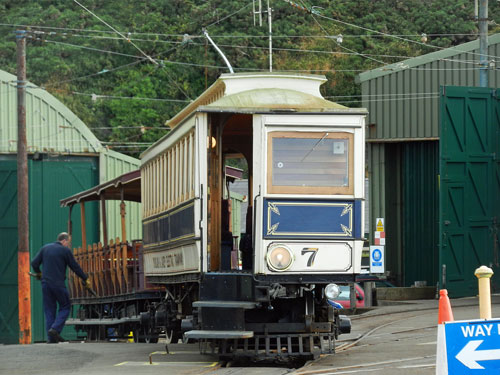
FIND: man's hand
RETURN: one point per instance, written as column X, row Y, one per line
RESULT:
column 87, row 284
column 38, row 276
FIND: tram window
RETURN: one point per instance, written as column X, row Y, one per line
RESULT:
column 310, row 163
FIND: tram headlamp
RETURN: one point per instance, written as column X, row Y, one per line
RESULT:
column 332, row 291
column 279, row 257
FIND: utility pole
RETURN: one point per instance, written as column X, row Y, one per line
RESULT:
column 483, row 43
column 23, row 253
column 269, row 21
column 270, row 24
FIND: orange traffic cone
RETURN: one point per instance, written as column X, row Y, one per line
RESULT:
column 445, row 314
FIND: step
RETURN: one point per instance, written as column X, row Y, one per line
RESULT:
column 218, row 334
column 226, row 304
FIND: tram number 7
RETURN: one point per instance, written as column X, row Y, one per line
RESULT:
column 313, row 251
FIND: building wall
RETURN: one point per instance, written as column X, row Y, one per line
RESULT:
column 403, row 99
column 50, row 179
column 65, row 158
column 402, row 137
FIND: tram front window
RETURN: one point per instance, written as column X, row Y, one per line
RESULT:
column 310, row 163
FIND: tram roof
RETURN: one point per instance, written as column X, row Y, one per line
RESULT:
column 128, row 183
column 264, row 93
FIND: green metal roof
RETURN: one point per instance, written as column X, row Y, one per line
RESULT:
column 52, row 128
column 403, row 99
column 50, row 125
column 425, row 59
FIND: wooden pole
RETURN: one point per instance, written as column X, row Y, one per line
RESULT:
column 104, row 221
column 23, row 251
column 84, row 231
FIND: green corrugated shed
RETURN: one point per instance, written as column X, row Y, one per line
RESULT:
column 64, row 158
column 403, row 98
column 402, row 158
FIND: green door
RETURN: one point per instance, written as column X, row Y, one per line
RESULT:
column 52, row 179
column 9, row 325
column 470, row 187
column 420, row 212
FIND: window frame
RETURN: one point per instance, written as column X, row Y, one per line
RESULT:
column 313, row 190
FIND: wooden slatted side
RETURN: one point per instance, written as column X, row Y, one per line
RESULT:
column 112, row 267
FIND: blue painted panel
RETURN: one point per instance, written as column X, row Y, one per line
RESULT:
column 312, row 219
column 169, row 226
column 182, row 222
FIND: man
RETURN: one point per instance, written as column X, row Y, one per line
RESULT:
column 55, row 258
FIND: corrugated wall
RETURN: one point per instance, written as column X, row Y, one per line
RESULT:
column 53, row 130
column 420, row 212
column 404, row 103
column 50, row 126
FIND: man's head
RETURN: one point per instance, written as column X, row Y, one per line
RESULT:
column 63, row 238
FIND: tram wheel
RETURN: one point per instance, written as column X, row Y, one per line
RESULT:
column 172, row 336
column 144, row 334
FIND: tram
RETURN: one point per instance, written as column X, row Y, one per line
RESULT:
column 304, row 157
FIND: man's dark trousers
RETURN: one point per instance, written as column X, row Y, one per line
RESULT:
column 53, row 295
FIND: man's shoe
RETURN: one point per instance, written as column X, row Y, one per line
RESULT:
column 55, row 336
column 51, row 342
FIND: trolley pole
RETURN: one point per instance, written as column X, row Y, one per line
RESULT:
column 483, row 43
column 23, row 278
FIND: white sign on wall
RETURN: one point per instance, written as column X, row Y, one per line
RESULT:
column 377, row 259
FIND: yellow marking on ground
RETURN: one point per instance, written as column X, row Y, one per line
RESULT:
column 129, row 363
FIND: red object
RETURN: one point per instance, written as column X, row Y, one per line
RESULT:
column 345, row 300
column 445, row 314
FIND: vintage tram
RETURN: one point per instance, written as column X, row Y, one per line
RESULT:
column 304, row 222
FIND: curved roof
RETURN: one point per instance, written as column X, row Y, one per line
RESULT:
column 268, row 100
column 262, row 92
column 50, row 125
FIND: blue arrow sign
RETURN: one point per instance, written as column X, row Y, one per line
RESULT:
column 473, row 346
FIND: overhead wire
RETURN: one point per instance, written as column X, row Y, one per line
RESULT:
column 119, row 33
column 236, row 36
column 97, row 96
column 339, row 44
column 398, row 37
column 228, row 16
column 368, row 56
column 255, row 47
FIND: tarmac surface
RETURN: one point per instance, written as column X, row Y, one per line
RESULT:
column 396, row 339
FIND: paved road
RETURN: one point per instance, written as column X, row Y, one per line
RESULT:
column 394, row 340
column 114, row 358
column 389, row 340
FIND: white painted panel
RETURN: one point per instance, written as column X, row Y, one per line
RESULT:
column 172, row 261
column 333, row 257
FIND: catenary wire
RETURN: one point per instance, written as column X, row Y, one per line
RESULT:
column 119, row 33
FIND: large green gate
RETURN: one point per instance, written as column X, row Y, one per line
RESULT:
column 469, row 187
column 9, row 325
column 51, row 178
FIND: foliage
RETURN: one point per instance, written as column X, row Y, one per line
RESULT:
column 74, row 55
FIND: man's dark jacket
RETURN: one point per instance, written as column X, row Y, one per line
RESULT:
column 55, row 258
